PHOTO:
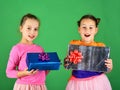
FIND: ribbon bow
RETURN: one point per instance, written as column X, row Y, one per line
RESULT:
column 43, row 56
column 75, row 56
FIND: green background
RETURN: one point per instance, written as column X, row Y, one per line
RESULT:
column 58, row 27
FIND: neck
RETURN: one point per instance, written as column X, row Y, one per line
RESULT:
column 26, row 42
column 87, row 41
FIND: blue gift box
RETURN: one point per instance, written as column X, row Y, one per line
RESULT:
column 34, row 61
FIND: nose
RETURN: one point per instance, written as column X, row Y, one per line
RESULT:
column 32, row 31
column 87, row 30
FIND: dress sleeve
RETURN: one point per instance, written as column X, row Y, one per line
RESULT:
column 77, row 42
column 13, row 62
column 101, row 44
column 72, row 42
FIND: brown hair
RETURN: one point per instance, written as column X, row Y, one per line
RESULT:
column 97, row 20
column 28, row 16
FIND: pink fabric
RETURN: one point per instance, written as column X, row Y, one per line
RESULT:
column 29, row 87
column 18, row 58
column 99, row 82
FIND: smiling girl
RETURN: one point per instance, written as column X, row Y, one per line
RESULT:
column 16, row 67
column 87, row 80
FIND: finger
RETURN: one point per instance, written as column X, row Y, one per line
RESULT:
column 109, row 66
column 35, row 71
column 25, row 69
column 31, row 71
column 108, row 61
column 66, row 64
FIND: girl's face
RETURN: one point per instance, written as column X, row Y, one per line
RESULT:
column 87, row 30
column 29, row 30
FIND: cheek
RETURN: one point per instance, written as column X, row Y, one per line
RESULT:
column 36, row 33
column 81, row 32
column 26, row 32
column 94, row 32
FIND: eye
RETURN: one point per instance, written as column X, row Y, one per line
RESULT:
column 28, row 28
column 84, row 27
column 90, row 27
column 36, row 29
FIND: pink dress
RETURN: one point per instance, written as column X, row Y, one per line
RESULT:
column 17, row 59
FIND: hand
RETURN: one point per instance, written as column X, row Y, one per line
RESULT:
column 67, row 63
column 31, row 72
column 66, row 60
column 109, row 64
column 26, row 72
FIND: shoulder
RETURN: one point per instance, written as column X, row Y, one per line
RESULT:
column 18, row 47
column 38, row 47
column 74, row 41
column 100, row 44
column 14, row 49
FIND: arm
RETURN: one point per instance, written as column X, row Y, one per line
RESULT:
column 13, row 61
column 26, row 73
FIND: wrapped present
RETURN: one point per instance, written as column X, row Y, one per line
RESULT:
column 43, row 61
column 87, row 58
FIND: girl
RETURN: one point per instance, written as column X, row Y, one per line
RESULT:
column 26, row 80
column 86, row 80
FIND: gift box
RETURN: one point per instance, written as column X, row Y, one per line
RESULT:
column 87, row 58
column 43, row 61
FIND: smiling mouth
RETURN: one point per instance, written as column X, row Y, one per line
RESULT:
column 87, row 35
column 31, row 37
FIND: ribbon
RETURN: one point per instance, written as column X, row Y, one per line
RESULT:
column 43, row 56
column 75, row 57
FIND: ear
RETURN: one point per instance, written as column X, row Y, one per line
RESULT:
column 78, row 29
column 20, row 28
column 96, row 30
